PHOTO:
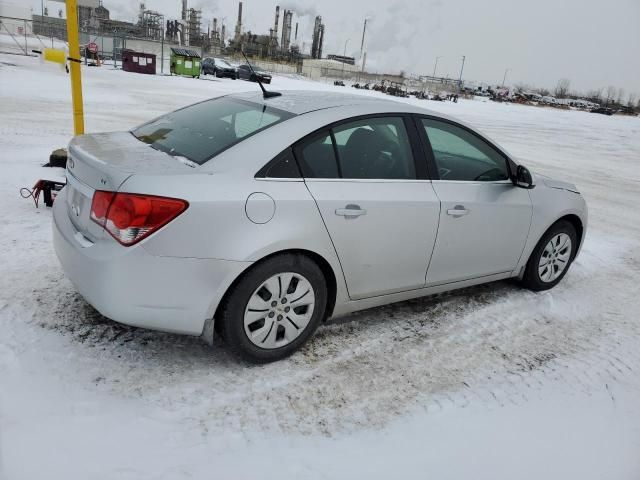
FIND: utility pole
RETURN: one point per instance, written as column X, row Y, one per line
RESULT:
column 505, row 76
column 162, row 50
column 364, row 30
column 461, row 69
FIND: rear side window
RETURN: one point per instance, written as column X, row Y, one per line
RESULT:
column 283, row 166
column 371, row 148
column 318, row 159
column 375, row 148
column 201, row 131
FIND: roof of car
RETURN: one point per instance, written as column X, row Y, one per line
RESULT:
column 304, row 101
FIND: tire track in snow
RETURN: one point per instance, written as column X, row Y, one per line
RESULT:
column 493, row 344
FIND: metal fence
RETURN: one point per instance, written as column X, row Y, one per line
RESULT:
column 17, row 36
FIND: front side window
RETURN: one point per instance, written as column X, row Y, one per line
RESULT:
column 203, row 130
column 461, row 155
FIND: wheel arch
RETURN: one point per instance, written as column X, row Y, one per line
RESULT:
column 572, row 217
column 577, row 224
column 323, row 264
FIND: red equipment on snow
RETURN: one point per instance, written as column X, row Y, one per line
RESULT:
column 49, row 188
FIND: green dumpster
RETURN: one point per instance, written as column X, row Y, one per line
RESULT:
column 185, row 62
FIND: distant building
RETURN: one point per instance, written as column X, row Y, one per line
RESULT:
column 343, row 59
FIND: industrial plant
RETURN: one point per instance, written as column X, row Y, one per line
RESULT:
column 282, row 42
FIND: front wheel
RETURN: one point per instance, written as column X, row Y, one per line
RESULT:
column 274, row 308
column 550, row 260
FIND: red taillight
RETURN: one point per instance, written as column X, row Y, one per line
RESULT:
column 130, row 217
column 100, row 205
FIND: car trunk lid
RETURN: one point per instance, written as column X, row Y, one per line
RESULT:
column 103, row 162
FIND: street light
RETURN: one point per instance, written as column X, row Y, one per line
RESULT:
column 461, row 69
column 505, row 76
column 435, row 66
column 344, row 54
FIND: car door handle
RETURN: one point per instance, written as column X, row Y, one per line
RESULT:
column 457, row 211
column 351, row 211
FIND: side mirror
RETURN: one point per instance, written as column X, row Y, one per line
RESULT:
column 523, row 177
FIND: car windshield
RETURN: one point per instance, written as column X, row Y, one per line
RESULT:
column 201, row 131
column 222, row 63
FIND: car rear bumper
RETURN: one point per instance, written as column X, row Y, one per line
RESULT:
column 131, row 286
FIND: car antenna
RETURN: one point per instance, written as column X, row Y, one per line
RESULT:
column 265, row 93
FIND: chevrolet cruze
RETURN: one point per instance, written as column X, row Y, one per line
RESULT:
column 259, row 218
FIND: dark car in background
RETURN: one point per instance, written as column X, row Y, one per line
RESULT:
column 219, row 67
column 245, row 73
column 603, row 110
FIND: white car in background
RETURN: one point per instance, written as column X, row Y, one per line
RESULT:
column 263, row 217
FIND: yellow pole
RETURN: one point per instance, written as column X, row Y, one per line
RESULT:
column 74, row 66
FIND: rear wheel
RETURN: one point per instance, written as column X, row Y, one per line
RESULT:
column 274, row 308
column 550, row 260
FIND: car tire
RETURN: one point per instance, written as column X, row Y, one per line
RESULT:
column 550, row 260
column 237, row 321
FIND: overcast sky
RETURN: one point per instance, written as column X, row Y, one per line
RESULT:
column 593, row 43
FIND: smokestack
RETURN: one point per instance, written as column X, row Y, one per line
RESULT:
column 239, row 24
column 321, row 40
column 275, row 28
column 286, row 30
column 318, row 34
column 184, row 9
column 295, row 37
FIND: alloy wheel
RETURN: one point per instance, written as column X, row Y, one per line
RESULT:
column 279, row 310
column 554, row 258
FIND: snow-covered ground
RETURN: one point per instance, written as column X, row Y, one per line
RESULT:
column 493, row 382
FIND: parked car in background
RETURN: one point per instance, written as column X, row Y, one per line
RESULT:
column 219, row 67
column 262, row 218
column 245, row 73
column 603, row 110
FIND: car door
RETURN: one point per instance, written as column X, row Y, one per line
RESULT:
column 485, row 219
column 378, row 207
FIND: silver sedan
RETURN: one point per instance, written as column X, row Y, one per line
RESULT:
column 259, row 218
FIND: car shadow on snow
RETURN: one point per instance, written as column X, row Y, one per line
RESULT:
column 63, row 310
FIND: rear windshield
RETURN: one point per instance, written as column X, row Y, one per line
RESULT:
column 201, row 131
